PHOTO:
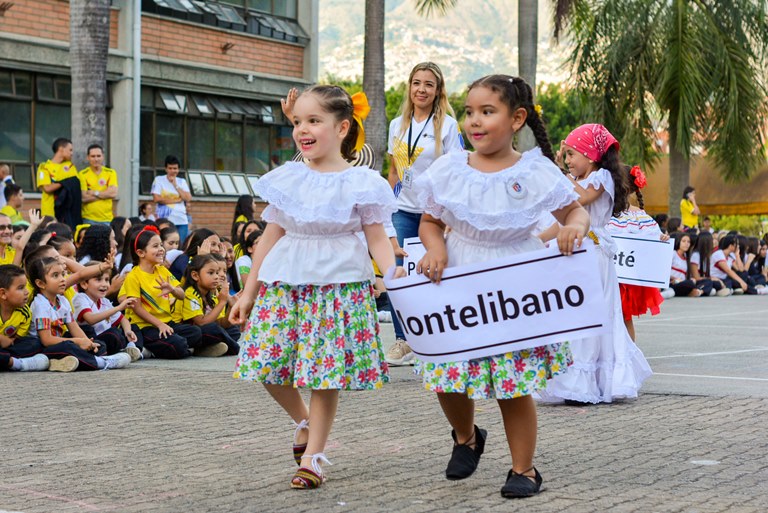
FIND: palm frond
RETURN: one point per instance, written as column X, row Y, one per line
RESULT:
column 427, row 7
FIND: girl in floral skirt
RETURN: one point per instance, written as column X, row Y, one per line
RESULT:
column 492, row 200
column 311, row 312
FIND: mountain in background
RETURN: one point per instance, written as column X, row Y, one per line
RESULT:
column 473, row 39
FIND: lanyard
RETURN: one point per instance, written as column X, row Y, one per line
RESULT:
column 412, row 149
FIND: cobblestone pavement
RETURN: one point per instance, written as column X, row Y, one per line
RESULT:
column 185, row 437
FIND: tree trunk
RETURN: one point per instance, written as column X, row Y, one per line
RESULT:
column 527, row 46
column 373, row 79
column 679, row 174
column 89, row 44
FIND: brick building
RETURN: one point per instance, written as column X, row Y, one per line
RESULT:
column 212, row 75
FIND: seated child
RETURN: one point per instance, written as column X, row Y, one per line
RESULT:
column 205, row 303
column 18, row 351
column 108, row 322
column 54, row 323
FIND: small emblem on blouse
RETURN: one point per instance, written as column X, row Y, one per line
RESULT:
column 516, row 190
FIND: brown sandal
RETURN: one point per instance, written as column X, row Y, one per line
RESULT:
column 307, row 478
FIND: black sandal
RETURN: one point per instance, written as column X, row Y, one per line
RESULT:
column 464, row 459
column 520, row 485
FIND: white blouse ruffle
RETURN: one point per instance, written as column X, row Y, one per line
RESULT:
column 321, row 214
column 601, row 209
column 512, row 198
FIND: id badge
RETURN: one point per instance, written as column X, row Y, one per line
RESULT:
column 408, row 178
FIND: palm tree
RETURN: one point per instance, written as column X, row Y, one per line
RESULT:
column 697, row 64
column 89, row 44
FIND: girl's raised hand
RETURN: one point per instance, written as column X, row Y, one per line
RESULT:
column 566, row 238
column 34, row 217
column 205, row 247
column 127, row 303
column 432, row 264
column 165, row 330
column 288, row 102
column 164, row 286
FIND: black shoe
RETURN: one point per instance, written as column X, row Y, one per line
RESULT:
column 572, row 402
column 520, row 485
column 464, row 458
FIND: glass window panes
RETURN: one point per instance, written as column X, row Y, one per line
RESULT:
column 200, row 144
column 169, row 138
column 241, row 184
column 6, row 82
column 229, row 146
column 147, row 176
column 219, row 105
column 169, row 101
column 253, row 180
column 213, row 183
column 22, row 175
column 228, row 185
column 283, row 148
column 45, row 88
column 260, row 5
column 196, row 184
column 256, row 149
column 15, row 131
column 23, row 82
column 63, row 89
column 146, row 138
column 202, row 105
column 51, row 122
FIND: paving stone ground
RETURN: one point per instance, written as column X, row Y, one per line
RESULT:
column 185, row 437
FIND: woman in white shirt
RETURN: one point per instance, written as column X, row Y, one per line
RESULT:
column 425, row 129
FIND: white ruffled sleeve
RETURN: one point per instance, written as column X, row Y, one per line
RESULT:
column 269, row 215
column 600, row 178
column 310, row 196
column 422, row 185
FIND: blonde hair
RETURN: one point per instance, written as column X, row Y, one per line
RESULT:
column 440, row 107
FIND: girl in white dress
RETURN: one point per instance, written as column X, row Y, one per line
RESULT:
column 313, row 321
column 610, row 366
column 492, row 199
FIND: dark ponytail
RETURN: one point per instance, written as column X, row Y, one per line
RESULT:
column 611, row 162
column 516, row 93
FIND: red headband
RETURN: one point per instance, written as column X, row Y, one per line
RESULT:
column 592, row 141
column 148, row 228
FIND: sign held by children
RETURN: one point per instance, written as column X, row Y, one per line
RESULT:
column 643, row 261
column 494, row 307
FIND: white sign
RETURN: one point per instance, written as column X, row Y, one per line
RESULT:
column 416, row 251
column 643, row 261
column 494, row 307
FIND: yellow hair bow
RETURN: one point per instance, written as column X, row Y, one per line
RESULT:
column 360, row 110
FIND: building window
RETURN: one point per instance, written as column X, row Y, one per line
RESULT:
column 35, row 111
column 275, row 19
column 220, row 140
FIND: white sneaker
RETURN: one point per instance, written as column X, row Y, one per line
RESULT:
column 762, row 291
column 146, row 354
column 66, row 364
column 712, row 292
column 400, row 353
column 738, row 292
column 724, row 292
column 117, row 361
column 668, row 293
column 39, row 362
column 385, row 316
column 133, row 352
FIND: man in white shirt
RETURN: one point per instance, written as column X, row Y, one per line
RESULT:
column 171, row 194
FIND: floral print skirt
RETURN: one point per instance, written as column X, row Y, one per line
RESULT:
column 314, row 336
column 505, row 376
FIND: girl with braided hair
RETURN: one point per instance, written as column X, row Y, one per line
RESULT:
column 492, row 199
column 635, row 299
column 609, row 366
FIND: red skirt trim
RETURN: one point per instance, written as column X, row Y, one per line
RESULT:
column 637, row 300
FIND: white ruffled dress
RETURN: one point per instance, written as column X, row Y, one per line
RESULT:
column 493, row 215
column 314, row 324
column 610, row 366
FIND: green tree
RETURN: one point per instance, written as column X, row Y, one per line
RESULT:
column 563, row 109
column 696, row 65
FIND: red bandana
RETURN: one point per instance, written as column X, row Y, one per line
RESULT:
column 592, row 141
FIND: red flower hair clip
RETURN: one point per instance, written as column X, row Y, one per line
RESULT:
column 640, row 180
